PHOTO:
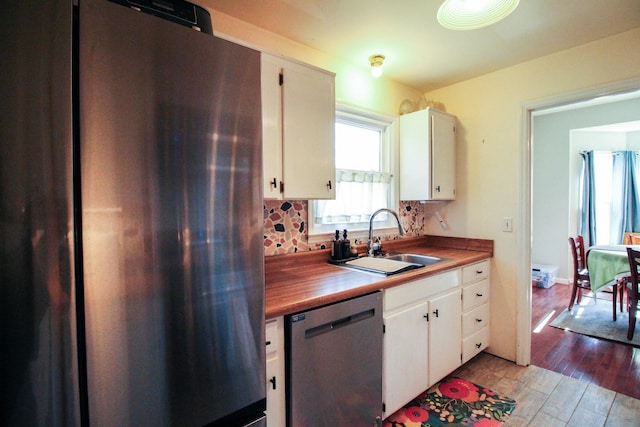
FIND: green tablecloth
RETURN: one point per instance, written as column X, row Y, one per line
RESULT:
column 606, row 264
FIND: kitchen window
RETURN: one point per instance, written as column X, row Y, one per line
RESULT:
column 365, row 177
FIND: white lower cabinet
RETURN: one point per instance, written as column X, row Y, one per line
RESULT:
column 276, row 400
column 475, row 309
column 422, row 336
column 445, row 330
column 405, row 367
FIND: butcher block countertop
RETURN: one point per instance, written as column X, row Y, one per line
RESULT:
column 303, row 281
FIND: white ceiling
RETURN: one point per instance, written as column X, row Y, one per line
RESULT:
column 422, row 54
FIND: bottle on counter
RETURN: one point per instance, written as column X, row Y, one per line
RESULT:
column 346, row 245
column 336, row 248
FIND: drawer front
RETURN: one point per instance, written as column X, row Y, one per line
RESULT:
column 475, row 320
column 475, row 295
column 475, row 344
column 420, row 289
column 474, row 272
column 272, row 337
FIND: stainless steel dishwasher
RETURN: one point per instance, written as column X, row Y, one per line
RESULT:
column 334, row 364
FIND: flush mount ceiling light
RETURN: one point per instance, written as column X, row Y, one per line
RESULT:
column 473, row 14
column 376, row 64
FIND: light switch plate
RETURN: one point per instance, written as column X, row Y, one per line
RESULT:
column 507, row 224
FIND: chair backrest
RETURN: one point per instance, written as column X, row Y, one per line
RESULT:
column 634, row 263
column 631, row 238
column 577, row 252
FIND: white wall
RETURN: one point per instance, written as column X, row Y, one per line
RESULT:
column 491, row 179
column 558, row 139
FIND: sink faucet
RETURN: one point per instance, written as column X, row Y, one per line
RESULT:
column 375, row 248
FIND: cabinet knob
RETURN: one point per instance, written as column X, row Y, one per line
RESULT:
column 272, row 380
column 438, row 188
column 479, row 345
column 329, row 185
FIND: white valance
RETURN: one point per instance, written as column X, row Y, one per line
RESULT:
column 358, row 194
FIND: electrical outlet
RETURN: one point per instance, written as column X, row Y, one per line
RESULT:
column 507, row 224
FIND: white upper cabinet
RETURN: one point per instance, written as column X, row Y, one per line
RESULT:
column 298, row 119
column 427, row 155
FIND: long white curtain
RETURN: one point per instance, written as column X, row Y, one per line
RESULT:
column 358, row 194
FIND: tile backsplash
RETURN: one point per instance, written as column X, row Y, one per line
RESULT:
column 286, row 226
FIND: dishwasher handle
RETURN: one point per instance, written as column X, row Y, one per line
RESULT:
column 339, row 323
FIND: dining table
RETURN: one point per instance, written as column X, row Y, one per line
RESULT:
column 607, row 264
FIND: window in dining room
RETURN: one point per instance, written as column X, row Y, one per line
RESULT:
column 610, row 196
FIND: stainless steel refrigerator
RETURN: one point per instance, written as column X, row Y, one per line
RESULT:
column 132, row 272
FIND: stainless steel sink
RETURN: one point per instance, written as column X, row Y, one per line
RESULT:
column 391, row 264
column 415, row 258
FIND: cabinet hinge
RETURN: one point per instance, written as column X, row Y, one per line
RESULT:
column 281, row 78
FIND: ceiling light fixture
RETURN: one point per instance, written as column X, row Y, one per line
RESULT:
column 473, row 14
column 376, row 64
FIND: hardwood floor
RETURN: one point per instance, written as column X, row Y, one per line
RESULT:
column 609, row 364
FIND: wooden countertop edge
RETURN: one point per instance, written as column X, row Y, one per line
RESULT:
column 303, row 281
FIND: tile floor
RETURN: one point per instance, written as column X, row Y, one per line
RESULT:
column 549, row 399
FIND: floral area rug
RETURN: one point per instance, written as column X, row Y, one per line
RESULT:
column 454, row 402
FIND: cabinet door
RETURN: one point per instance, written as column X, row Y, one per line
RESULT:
column 427, row 155
column 445, row 335
column 271, row 126
column 308, row 133
column 276, row 400
column 405, row 356
column 443, row 148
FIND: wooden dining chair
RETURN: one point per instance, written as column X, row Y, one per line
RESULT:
column 631, row 238
column 581, row 280
column 632, row 289
column 580, row 272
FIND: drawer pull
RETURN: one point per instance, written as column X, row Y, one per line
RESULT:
column 272, row 380
column 479, row 295
column 426, row 316
column 436, row 312
column 267, row 343
column 274, row 184
column 478, row 320
column 479, row 271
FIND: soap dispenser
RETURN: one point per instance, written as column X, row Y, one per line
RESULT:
column 336, row 248
column 346, row 245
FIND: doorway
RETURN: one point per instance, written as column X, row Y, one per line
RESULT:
column 567, row 102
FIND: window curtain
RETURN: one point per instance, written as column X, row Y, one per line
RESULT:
column 587, row 217
column 625, row 214
column 358, row 195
